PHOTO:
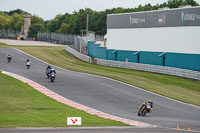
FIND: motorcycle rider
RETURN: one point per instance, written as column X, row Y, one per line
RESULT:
column 48, row 67
column 52, row 75
column 28, row 61
column 9, row 56
column 52, row 71
column 150, row 102
column 48, row 70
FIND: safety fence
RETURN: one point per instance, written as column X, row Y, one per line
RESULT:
column 9, row 34
column 78, row 55
column 138, row 66
column 151, row 68
column 74, row 41
column 79, row 43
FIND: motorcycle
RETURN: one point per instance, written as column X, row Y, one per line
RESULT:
column 9, row 58
column 28, row 64
column 144, row 109
column 52, row 77
column 48, row 72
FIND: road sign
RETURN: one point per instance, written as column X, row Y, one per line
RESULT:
column 73, row 120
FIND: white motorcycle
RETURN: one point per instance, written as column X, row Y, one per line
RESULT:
column 52, row 77
column 28, row 64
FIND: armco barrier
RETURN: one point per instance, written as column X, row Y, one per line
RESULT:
column 78, row 55
column 151, row 68
column 137, row 66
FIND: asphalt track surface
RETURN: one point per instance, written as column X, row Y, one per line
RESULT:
column 105, row 95
column 88, row 130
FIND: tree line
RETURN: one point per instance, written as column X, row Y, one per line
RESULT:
column 75, row 22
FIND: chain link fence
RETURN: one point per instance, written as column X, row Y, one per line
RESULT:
column 9, row 34
column 79, row 43
column 74, row 41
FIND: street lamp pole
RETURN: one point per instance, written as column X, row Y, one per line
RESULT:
column 87, row 24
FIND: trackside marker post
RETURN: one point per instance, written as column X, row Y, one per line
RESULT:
column 74, row 121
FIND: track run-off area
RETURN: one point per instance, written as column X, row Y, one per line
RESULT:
column 105, row 95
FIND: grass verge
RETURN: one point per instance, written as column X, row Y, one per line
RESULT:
column 23, row 106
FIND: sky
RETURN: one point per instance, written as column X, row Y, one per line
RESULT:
column 48, row 9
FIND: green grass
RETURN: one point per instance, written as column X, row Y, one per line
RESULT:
column 3, row 45
column 23, row 106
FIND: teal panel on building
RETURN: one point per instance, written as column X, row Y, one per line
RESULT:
column 101, row 53
column 91, row 49
column 178, row 60
column 185, row 61
column 97, row 52
column 123, row 55
column 110, row 54
column 151, row 58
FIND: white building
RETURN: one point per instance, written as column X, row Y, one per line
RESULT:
column 172, row 30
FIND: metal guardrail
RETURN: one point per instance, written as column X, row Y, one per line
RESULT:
column 151, row 68
column 78, row 55
column 137, row 66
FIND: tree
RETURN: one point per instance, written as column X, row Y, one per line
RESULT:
column 65, row 28
column 36, row 20
column 18, row 11
column 34, row 29
column 191, row 2
column 177, row 3
column 54, row 24
column 16, row 22
column 4, row 21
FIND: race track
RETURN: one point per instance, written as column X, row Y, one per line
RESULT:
column 103, row 94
